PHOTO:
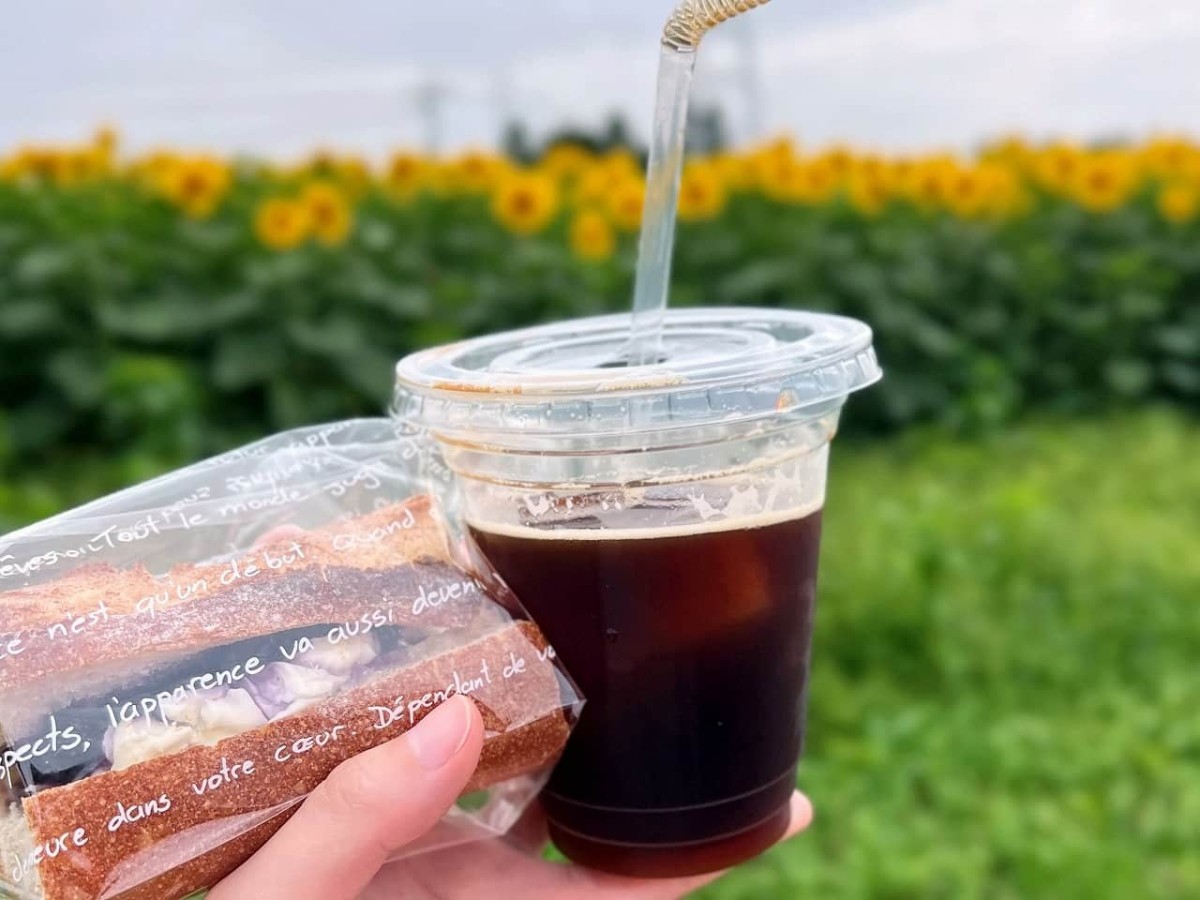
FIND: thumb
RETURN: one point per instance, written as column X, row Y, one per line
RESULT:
column 368, row 808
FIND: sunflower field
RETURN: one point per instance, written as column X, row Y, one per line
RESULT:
column 1004, row 684
column 177, row 303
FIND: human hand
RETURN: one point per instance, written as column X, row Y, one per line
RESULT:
column 338, row 845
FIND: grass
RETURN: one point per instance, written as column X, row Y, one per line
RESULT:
column 1007, row 672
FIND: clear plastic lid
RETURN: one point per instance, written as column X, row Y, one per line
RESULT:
column 717, row 367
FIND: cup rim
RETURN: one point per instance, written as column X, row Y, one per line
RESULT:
column 719, row 366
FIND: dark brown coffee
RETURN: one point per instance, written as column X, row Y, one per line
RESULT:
column 691, row 645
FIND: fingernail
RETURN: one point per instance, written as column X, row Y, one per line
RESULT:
column 441, row 734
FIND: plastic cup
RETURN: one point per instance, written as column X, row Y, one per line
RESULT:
column 661, row 523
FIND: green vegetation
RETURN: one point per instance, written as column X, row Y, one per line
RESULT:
column 1007, row 673
column 125, row 325
column 1005, row 681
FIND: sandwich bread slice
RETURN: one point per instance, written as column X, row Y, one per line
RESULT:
column 177, row 721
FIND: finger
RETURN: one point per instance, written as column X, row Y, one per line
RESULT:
column 280, row 533
column 592, row 885
column 476, row 869
column 367, row 809
column 530, row 834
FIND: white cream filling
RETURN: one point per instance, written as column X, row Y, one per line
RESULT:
column 204, row 718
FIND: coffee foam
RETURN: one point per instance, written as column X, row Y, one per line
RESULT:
column 712, row 526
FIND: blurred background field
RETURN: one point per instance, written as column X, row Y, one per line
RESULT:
column 1004, row 692
column 1005, row 678
column 173, row 303
column 1004, row 682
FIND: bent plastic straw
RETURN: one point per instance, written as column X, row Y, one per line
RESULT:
column 691, row 20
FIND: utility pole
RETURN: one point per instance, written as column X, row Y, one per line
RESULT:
column 429, row 98
column 754, row 120
column 502, row 98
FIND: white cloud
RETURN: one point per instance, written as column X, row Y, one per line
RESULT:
column 937, row 72
column 952, row 72
column 240, row 74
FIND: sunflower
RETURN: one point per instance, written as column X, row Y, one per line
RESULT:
column 474, row 172
column 701, row 193
column 625, row 203
column 781, row 149
column 1179, row 202
column 621, row 162
column 101, row 163
column 525, row 202
column 353, row 173
column 70, row 167
column 328, row 211
column 900, row 172
column 322, row 163
column 196, row 185
column 37, row 161
column 281, row 224
column 1003, row 185
column 106, row 138
column 1171, row 158
column 839, row 160
column 597, row 182
column 592, row 236
column 1057, row 166
column 923, row 182
column 566, row 161
column 103, row 148
column 873, row 168
column 868, row 192
column 737, row 172
column 150, row 170
column 349, row 172
column 1104, row 181
column 964, row 191
column 816, row 182
column 1012, row 150
column 777, row 177
column 406, row 174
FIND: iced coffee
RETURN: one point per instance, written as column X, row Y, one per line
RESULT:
column 661, row 523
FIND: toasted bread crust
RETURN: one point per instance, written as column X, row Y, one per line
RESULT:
column 523, row 713
column 330, row 575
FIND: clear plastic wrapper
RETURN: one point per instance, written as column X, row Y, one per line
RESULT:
column 183, row 662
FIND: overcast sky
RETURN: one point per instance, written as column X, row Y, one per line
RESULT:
column 282, row 76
